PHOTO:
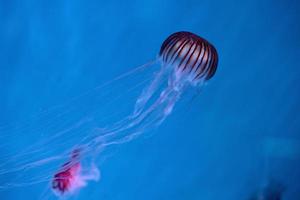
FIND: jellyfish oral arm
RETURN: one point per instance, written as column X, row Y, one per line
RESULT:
column 148, row 113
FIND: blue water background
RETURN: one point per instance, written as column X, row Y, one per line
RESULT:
column 51, row 51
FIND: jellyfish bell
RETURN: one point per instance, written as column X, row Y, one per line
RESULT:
column 190, row 55
column 187, row 60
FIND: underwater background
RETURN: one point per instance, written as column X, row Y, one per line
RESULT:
column 241, row 132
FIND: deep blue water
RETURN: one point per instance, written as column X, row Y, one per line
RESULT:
column 241, row 131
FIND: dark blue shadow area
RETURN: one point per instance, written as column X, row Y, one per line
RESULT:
column 239, row 133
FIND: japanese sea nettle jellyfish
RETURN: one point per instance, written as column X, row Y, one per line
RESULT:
column 70, row 138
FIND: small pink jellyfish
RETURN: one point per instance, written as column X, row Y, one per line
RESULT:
column 71, row 177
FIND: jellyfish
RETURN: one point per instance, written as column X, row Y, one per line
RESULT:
column 70, row 177
column 185, row 61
